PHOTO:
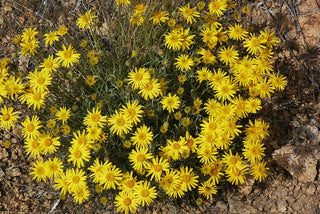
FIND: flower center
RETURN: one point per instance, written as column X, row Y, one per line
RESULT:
column 233, row 160
column 67, row 54
column 120, row 122
column 186, row 178
column 75, row 179
column 40, row 80
column 37, row 97
column 138, row 77
column 142, row 136
column 144, row 193
column 47, row 142
column 141, row 158
column 109, row 176
column 127, row 202
column 6, row 117
column 176, row 146
column 95, row 117
column 157, row 168
column 130, row 183
column 30, row 128
column 40, row 170
column 77, row 154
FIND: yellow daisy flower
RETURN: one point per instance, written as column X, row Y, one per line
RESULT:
column 68, row 56
column 170, row 102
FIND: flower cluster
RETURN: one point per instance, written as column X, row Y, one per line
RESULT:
column 177, row 120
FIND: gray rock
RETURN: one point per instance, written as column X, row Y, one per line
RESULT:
column 312, row 133
column 301, row 165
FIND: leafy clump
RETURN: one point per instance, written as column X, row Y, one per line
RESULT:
column 159, row 99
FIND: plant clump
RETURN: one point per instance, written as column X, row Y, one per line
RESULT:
column 162, row 103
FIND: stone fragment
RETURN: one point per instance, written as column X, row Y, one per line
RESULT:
column 312, row 133
column 13, row 172
column 237, row 206
column 311, row 189
column 3, row 153
column 246, row 188
column 301, row 165
column 221, row 205
column 282, row 206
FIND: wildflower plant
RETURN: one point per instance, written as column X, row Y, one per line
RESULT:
column 159, row 101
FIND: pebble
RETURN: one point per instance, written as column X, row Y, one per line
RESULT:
column 3, row 153
column 221, row 205
column 311, row 189
column 282, row 206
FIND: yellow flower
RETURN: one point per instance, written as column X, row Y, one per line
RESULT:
column 62, row 30
column 31, row 127
column 137, row 18
column 29, row 47
column 170, row 102
column 138, row 78
column 49, row 143
column 254, row 44
column 8, row 118
column 144, row 194
column 90, row 80
column 51, row 37
column 110, row 177
column 39, row 171
column 94, row 118
column 76, row 179
column 119, row 123
column 29, row 34
column 151, row 90
column 81, row 194
column 236, row 32
column 156, row 167
column 217, row 7
column 236, row 175
column 139, row 158
column 54, row 167
column 189, row 13
column 159, row 17
column 207, row 189
column 183, row 62
column 126, row 202
column 78, row 154
column 259, row 171
column 123, row 2
column 86, row 20
column 50, row 64
column 68, row 56
column 132, row 111
column 188, row 178
column 142, row 137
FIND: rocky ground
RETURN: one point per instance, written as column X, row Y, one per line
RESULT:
column 293, row 145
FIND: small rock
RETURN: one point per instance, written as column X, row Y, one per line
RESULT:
column 13, row 172
column 3, row 153
column 311, row 189
column 221, row 205
column 301, row 166
column 246, row 188
column 282, row 206
column 312, row 133
column 1, row 174
column 237, row 206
